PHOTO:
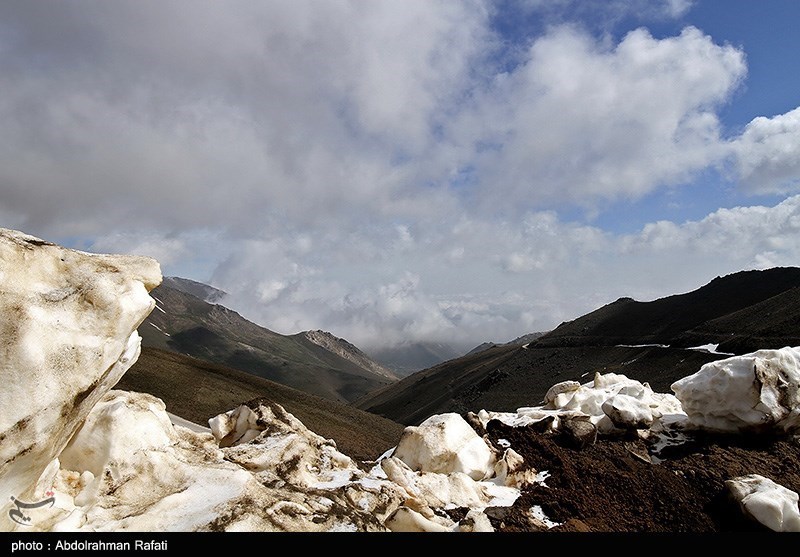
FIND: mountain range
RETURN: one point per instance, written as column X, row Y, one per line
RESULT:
column 656, row 341
column 612, row 485
column 313, row 362
column 604, row 452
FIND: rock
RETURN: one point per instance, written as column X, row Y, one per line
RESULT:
column 69, row 334
column 578, row 431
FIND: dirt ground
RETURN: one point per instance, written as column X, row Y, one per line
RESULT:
column 619, row 485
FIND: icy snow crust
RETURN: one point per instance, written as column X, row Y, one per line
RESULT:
column 69, row 334
column 107, row 460
column 751, row 393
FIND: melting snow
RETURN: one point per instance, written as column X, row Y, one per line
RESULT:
column 643, row 345
column 118, row 461
column 539, row 517
column 158, row 328
column 710, row 348
column 158, row 307
column 541, row 477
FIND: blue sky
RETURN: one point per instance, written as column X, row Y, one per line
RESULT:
column 395, row 170
column 765, row 31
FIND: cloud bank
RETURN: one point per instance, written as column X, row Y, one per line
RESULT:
column 386, row 170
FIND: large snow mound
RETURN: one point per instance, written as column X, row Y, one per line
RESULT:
column 755, row 392
column 68, row 324
column 445, row 443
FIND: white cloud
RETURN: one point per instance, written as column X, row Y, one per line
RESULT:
column 608, row 12
column 738, row 235
column 677, row 8
column 180, row 115
column 185, row 113
column 164, row 249
column 363, row 168
column 424, row 296
column 583, row 121
column 767, row 154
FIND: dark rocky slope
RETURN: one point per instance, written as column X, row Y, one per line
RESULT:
column 186, row 324
column 740, row 312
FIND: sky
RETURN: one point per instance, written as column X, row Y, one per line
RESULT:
column 404, row 170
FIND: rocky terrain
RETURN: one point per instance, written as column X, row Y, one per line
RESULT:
column 607, row 453
column 348, row 351
column 658, row 342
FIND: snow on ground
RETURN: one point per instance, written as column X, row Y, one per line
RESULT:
column 754, row 392
column 612, row 402
column 643, row 345
column 159, row 329
column 78, row 456
column 710, row 348
column 445, row 443
column 757, row 392
column 69, row 334
column 178, row 421
column 769, row 503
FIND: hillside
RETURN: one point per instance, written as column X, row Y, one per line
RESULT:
column 186, row 324
column 675, row 319
column 606, row 454
column 197, row 391
column 519, row 341
column 205, row 292
column 346, row 350
column 648, row 341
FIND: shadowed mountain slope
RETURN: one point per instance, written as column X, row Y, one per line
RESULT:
column 655, row 342
column 198, row 390
column 186, row 324
column 666, row 320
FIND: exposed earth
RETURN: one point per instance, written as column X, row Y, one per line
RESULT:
column 615, row 485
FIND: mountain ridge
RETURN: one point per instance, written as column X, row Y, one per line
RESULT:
column 347, row 350
column 648, row 341
column 185, row 323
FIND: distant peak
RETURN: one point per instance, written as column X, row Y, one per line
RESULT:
column 205, row 292
column 347, row 350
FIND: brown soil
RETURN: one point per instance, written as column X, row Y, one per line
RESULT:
column 616, row 485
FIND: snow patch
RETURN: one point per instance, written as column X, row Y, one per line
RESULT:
column 754, row 392
column 769, row 503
